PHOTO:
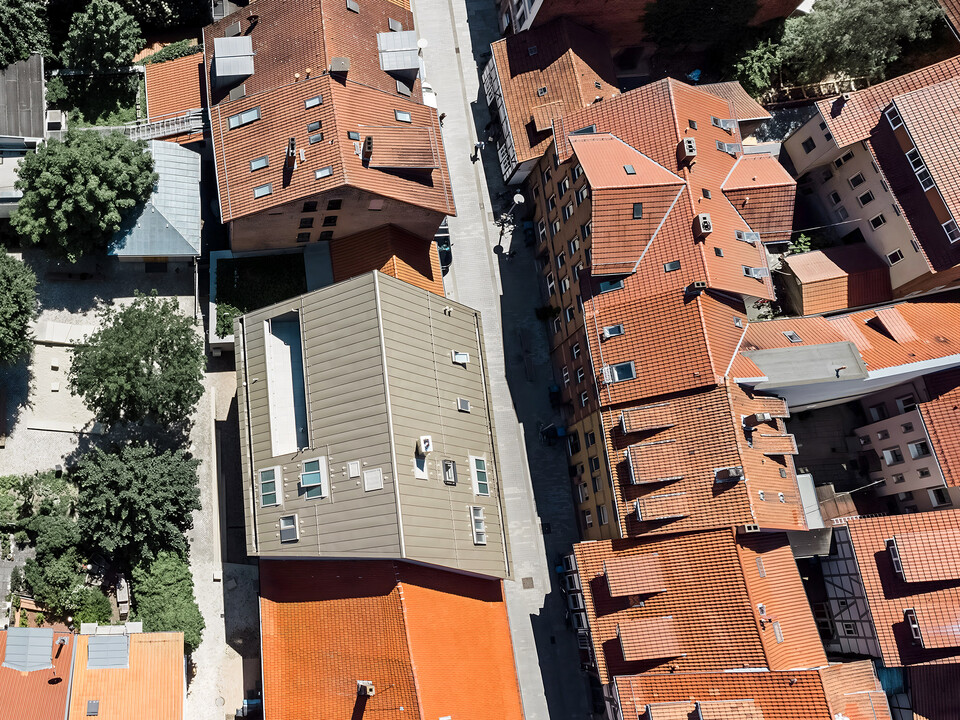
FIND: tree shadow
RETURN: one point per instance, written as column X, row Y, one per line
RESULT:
column 15, row 382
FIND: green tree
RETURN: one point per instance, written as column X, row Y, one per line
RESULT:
column 76, row 193
column 55, row 582
column 854, row 38
column 18, row 305
column 55, row 534
column 102, row 37
column 168, row 13
column 164, row 599
column 145, row 363
column 93, row 607
column 136, row 502
column 757, row 68
column 23, row 30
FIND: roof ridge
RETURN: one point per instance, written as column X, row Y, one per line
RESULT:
column 742, row 576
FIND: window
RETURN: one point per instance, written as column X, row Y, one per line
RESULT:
column 792, row 336
column 892, row 456
column 878, row 221
column 594, row 464
column 567, row 211
column 564, row 284
column 420, row 467
column 585, row 230
column 606, row 286
column 865, row 440
column 564, row 185
column 314, row 478
column 908, row 495
column 602, row 514
column 479, row 525
column 310, row 206
column 857, row 180
column 575, row 351
column 906, row 404
column 866, row 198
column 588, row 521
column 326, row 235
column 777, row 631
column 557, row 325
column 262, row 190
column 911, row 618
column 906, row 427
column 582, row 193
column 842, row 213
column 481, row 483
column 638, row 211
column 577, row 171
column 372, row 479
column 584, row 398
column 314, row 139
column 692, row 124
column 313, row 102
column 303, row 237
column 573, row 245
column 898, row 478
column 849, row 629
column 706, row 194
column 629, row 170
column 449, row 472
column 552, row 203
column 610, row 331
column 923, row 472
column 541, row 91
column 894, row 257
column 919, row 449
column 546, row 175
column 289, row 532
column 353, row 135
column 244, row 118
column 761, row 570
column 580, row 375
column 329, row 220
column 402, row 116
column 353, row 6
column 569, row 314
column 808, row 145
column 555, row 227
column 314, row 126
column 577, row 269
column 334, row 204
column 893, row 116
column 845, row 158
column 718, row 252
column 952, row 231
column 877, row 412
column 671, row 266
column 565, row 375
column 561, row 259
column 883, row 435
column 551, row 285
column 259, row 163
column 590, row 438
column 268, row 488
column 306, row 222
column 542, row 230
column 323, row 172
column 619, row 372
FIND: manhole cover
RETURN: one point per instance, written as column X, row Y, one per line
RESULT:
column 527, row 583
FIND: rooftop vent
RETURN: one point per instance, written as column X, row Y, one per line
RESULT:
column 541, row 91
column 93, row 708
column 232, row 60
column 688, row 148
column 340, row 65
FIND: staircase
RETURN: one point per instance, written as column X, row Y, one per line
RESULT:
column 192, row 121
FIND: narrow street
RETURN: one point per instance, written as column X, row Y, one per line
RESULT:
column 458, row 33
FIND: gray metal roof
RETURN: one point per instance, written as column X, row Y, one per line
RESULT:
column 398, row 50
column 29, row 649
column 168, row 224
column 233, row 56
column 22, row 111
column 108, row 651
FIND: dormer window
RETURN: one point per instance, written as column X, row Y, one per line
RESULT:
column 541, row 91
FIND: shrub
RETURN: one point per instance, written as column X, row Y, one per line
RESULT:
column 165, row 600
column 94, row 607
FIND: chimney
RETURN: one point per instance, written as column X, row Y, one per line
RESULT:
column 291, row 158
column 367, row 148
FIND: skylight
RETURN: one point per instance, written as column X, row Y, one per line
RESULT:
column 262, row 191
column 244, row 118
column 324, row 172
column 259, row 163
column 629, row 170
column 792, row 336
column 313, row 102
column 403, row 116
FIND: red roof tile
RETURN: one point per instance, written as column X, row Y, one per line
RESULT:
column 639, row 575
column 818, row 694
column 391, row 250
column 846, row 276
column 40, row 694
column 175, row 86
column 562, row 57
column 705, row 618
column 951, row 8
column 936, row 603
column 745, row 107
column 411, row 630
column 853, row 119
column 940, row 416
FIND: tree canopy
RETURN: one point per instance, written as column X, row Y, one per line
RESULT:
column 18, row 305
column 103, row 36
column 76, row 193
column 145, row 363
column 55, row 581
column 23, row 30
column 164, row 599
column 136, row 502
column 93, row 607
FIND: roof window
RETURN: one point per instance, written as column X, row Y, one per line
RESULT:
column 353, row 6
column 637, row 211
column 706, row 194
column 629, row 170
column 731, row 148
column 323, row 172
column 314, row 139
column 259, row 163
column 792, row 336
column 671, row 266
column 313, row 102
column 353, row 135
column 403, row 116
column 244, row 118
column 585, row 130
column 610, row 331
column 394, row 25
column 718, row 252
column 532, row 50
column 693, row 124
column 541, row 91
column 758, row 273
column 314, row 126
column 262, row 191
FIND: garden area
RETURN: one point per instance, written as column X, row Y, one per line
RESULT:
column 245, row 284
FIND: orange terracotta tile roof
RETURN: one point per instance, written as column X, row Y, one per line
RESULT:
column 817, row 694
column 175, row 86
column 345, row 107
column 668, row 110
column 638, row 575
column 846, row 276
column 951, row 8
column 562, row 57
column 403, row 147
column 745, row 107
column 35, row 695
column 706, row 618
column 935, row 602
column 411, row 630
column 152, row 685
column 853, row 120
column 763, row 193
column 391, row 250
column 940, row 419
column 685, row 468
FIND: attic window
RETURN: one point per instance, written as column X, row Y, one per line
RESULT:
column 403, row 116
column 629, row 170
column 671, row 266
column 314, row 126
column 638, row 211
column 541, row 91
column 353, row 6
column 262, row 191
column 313, row 102
column 244, row 118
column 532, row 50
column 314, row 139
column 259, row 163
column 323, row 172
column 792, row 336
column 394, row 25
column 353, row 136
column 718, row 252
column 693, row 124
column 706, row 194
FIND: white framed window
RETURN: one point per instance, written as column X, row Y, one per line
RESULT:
column 577, row 171
column 259, row 163
column 894, row 257
column 269, row 496
column 557, row 325
column 567, row 211
column 588, row 521
column 952, row 231
column 856, row 180
column 289, row 529
column 551, row 285
column 919, row 449
column 584, row 398
column 586, row 230
column 262, row 191
column 479, row 525
column 403, row 116
column 560, row 259
column 878, row 221
column 834, row 198
column 555, row 227
column 420, row 467
column 866, row 198
column 602, row 514
column 777, row 631
column 313, row 102
column 583, row 493
column 449, row 472
column 569, row 314
column 314, row 478
column 893, row 456
column 906, row 404
column 563, row 186
column 564, row 284
column 244, row 118
column 939, row 497
column 911, row 617
column 577, row 269
column 573, row 245
column 618, row 372
column 372, row 479
column 761, row 570
column 481, row 480
column 893, row 116
column 842, row 213
column 575, row 350
column 542, row 230
column 580, row 375
column 582, row 193
column 565, row 375
column 551, row 202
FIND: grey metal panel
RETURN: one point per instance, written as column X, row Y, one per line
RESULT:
column 233, row 56
column 22, row 111
column 398, row 50
column 29, row 649
column 108, row 651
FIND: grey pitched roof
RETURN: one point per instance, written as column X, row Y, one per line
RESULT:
column 168, row 224
column 108, row 651
column 29, row 649
column 22, row 110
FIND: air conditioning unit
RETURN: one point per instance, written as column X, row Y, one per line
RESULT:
column 688, row 148
column 751, row 237
column 463, row 405
column 425, row 444
column 365, row 688
column 704, row 224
